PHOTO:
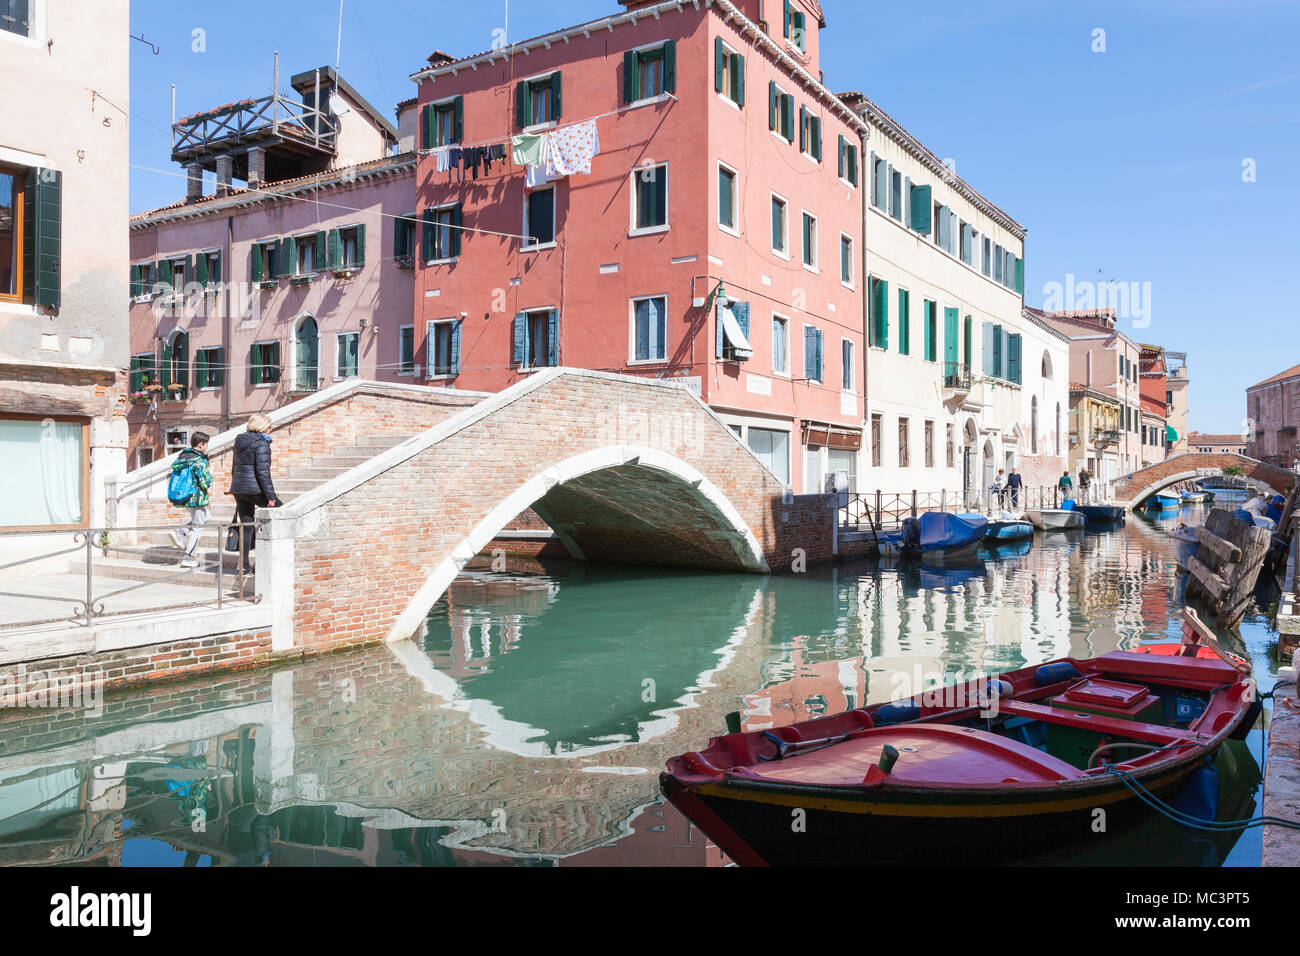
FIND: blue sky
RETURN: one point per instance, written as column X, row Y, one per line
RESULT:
column 1124, row 165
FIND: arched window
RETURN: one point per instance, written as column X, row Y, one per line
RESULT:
column 307, row 356
column 1047, row 366
column 1033, row 427
column 176, row 366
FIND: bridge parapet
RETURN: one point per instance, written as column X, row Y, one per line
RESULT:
column 1131, row 490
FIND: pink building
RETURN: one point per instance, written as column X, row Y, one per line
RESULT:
column 724, row 165
column 244, row 299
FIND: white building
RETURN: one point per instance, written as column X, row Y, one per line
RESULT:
column 960, row 381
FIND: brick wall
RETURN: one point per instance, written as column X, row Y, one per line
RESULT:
column 1277, row 478
column 371, row 410
column 360, row 559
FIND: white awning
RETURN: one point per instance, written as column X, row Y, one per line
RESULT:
column 740, row 346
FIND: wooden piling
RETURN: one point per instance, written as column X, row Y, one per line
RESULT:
column 1226, row 565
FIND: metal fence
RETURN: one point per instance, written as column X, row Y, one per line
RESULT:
column 887, row 511
column 89, row 604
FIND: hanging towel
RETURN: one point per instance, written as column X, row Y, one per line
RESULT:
column 540, row 174
column 571, row 149
column 442, row 155
column 528, row 148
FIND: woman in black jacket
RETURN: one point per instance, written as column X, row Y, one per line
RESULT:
column 250, row 483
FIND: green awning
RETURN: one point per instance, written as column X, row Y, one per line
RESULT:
column 1171, row 434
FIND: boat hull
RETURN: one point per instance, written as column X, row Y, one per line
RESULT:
column 1008, row 531
column 1054, row 520
column 1161, row 503
column 1097, row 514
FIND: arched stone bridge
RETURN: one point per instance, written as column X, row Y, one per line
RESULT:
column 1133, row 489
column 625, row 470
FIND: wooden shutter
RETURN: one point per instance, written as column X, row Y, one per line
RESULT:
column 320, row 256
column 817, row 138
column 361, row 244
column 904, row 322
column 719, row 65
column 808, row 351
column 950, row 335
column 519, row 340
column 254, row 368
column 523, row 104
column 42, row 237
column 629, row 77
column 201, row 269
column 286, row 256
column 787, row 114
column 455, row 347
column 928, row 331
column 786, row 32
column 455, row 230
column 820, row 372
column 920, row 219
column 1020, row 276
column 966, row 343
column 803, row 129
column 556, row 83
column 720, row 341
column 255, row 262
column 335, row 243
column 670, row 66
column 842, row 157
column 426, row 240
column 458, row 121
column 399, row 238
column 217, row 367
column 426, row 126
column 738, row 69
column 771, row 105
column 997, row 351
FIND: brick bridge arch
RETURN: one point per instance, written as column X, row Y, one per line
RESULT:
column 1133, row 489
column 625, row 470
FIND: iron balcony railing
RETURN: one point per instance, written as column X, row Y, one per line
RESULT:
column 1105, row 436
column 957, row 376
column 88, row 604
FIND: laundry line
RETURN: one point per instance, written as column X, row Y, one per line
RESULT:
column 551, row 129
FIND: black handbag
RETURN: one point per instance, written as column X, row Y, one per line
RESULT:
column 232, row 538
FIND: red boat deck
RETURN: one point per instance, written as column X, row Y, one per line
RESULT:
column 928, row 754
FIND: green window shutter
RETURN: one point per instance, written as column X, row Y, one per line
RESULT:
column 214, row 272
column 361, row 244
column 286, row 255
column 786, row 28
column 553, row 338
column 455, row 347
column 254, row 369
column 320, row 255
column 904, row 322
column 670, row 66
column 1020, row 276
column 629, row 77
column 771, row 105
column 719, row 66
column 950, row 336
column 426, row 240
column 335, row 249
column 133, row 382
column 426, row 126
column 42, row 237
column 273, row 372
column 921, row 209
column 135, row 286
column 201, row 269
column 455, row 230
column 519, row 340
column 523, row 105
column 787, row 113
column 803, row 129
column 399, row 238
column 817, row 138
column 217, row 372
column 966, row 343
column 556, row 83
column 842, row 157
column 738, row 67
column 997, row 351
column 821, row 376
column 201, row 369
column 165, row 378
column 255, row 262
column 929, row 331
column 458, row 123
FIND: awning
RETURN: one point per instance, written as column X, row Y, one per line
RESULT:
column 832, row 436
column 740, row 347
column 1171, row 433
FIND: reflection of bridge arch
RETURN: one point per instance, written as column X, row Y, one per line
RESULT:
column 1133, row 489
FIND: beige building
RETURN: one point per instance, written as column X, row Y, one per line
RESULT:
column 1094, row 432
column 1177, row 386
column 63, row 260
column 1216, row 444
column 1273, row 415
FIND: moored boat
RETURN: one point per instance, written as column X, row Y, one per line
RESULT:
column 998, row 771
column 940, row 535
column 1192, row 497
column 1006, row 527
column 1058, row 519
column 1162, row 503
column 1098, row 514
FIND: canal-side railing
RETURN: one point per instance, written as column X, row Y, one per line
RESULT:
column 89, row 604
column 887, row 511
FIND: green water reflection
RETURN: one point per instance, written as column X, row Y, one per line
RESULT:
column 526, row 723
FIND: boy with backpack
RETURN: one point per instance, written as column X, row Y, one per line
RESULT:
column 187, row 488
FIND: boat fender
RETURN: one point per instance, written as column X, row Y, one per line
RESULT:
column 1055, row 673
column 1000, row 688
column 1199, row 797
column 896, row 713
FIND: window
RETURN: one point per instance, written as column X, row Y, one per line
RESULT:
column 349, row 353
column 841, row 459
column 347, row 248
column 539, row 216
column 951, row 444
column 966, row 248
column 264, row 363
column 779, row 231
column 175, row 366
column 144, row 371
column 795, row 26
column 535, row 338
column 44, row 481
column 780, row 112
column 780, row 345
column 537, row 101
column 142, row 275
column 904, row 443
column 442, row 233
column 998, row 262
column 209, row 368
column 879, row 182
column 16, row 16
column 207, row 265
column 846, row 260
column 812, row 353
column 987, row 257
column 265, row 261
column 726, row 198
column 442, row 124
column 443, row 348
column 728, row 72
column 772, row 448
column 929, row 444
column 931, row 319
column 306, row 356
column 649, row 72
column 896, row 194
column 809, row 241
column 848, row 162
column 904, row 322
column 308, row 260
column 877, row 440
column 650, row 199
column 404, row 240
column 406, row 350
column 919, row 203
column 810, row 134
column 649, row 329
column 846, row 365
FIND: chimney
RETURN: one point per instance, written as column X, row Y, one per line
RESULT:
column 225, row 170
column 256, row 166
column 193, row 182
column 438, row 58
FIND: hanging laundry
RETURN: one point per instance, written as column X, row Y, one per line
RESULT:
column 537, row 175
column 571, row 149
column 453, row 161
column 442, row 155
column 496, row 154
column 528, row 148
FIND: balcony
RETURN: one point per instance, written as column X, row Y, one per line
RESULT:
column 956, row 378
column 1105, row 436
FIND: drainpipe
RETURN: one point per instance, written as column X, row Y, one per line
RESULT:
column 864, row 283
column 226, row 342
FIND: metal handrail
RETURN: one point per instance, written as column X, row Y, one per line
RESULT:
column 882, row 511
column 90, row 606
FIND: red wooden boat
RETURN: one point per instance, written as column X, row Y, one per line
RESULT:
column 1021, row 772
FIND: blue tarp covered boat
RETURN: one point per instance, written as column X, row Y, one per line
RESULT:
column 1097, row 514
column 950, row 534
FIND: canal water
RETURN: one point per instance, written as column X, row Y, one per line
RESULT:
column 527, row 722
